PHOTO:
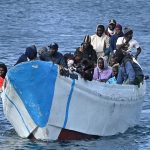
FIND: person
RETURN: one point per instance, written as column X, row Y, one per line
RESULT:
column 69, row 59
column 100, row 41
column 110, row 31
column 102, row 72
column 3, row 71
column 113, row 38
column 130, row 71
column 42, row 51
column 85, row 59
column 86, row 50
column 86, row 70
column 113, row 79
column 112, row 60
column 127, row 43
column 83, row 66
column 29, row 55
column 53, row 55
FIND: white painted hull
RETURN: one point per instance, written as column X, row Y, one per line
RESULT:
column 87, row 107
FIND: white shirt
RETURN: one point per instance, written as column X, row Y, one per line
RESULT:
column 110, row 31
column 100, row 43
column 132, row 43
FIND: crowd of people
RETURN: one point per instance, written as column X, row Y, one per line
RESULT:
column 105, row 56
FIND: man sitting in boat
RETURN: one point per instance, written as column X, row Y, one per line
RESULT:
column 102, row 71
column 110, row 31
column 113, row 38
column 128, row 43
column 100, row 41
column 30, row 54
column 130, row 71
column 3, row 71
column 53, row 55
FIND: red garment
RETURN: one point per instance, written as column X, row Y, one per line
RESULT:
column 1, row 82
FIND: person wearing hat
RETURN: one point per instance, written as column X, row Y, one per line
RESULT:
column 53, row 55
column 30, row 54
column 110, row 31
column 113, row 39
column 100, row 41
column 127, row 43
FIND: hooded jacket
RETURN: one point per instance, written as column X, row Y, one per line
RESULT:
column 30, row 54
column 100, row 44
column 56, row 58
column 102, row 74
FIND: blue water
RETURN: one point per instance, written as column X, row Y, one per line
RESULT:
column 23, row 23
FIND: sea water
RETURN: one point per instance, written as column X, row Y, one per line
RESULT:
column 27, row 22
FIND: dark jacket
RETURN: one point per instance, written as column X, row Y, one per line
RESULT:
column 57, row 58
column 113, row 40
column 30, row 53
column 89, row 54
column 22, row 58
column 85, row 69
column 129, row 72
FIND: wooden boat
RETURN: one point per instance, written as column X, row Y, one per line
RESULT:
column 41, row 103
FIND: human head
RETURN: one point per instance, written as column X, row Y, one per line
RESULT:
column 112, row 60
column 33, row 47
column 115, row 70
column 53, row 47
column 100, row 30
column 42, row 50
column 3, row 70
column 118, row 29
column 128, row 33
column 69, row 58
column 102, row 63
column 85, row 62
column 112, row 24
column 31, row 52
